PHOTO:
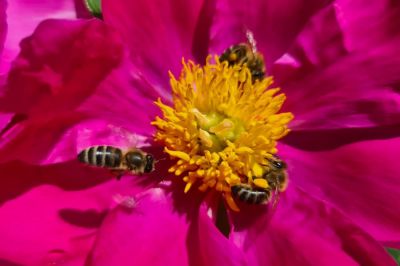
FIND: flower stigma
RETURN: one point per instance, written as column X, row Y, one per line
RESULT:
column 222, row 128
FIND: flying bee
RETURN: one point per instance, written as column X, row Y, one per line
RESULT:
column 277, row 179
column 117, row 160
column 246, row 54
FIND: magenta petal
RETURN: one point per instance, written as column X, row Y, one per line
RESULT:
column 361, row 179
column 358, row 90
column 319, row 44
column 208, row 246
column 303, row 231
column 275, row 24
column 4, row 120
column 23, row 16
column 42, row 224
column 3, row 25
column 155, row 233
column 368, row 25
column 60, row 65
column 159, row 33
column 150, row 234
column 124, row 99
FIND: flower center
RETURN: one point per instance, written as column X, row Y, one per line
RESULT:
column 223, row 128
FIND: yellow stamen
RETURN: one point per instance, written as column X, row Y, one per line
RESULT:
column 178, row 154
column 222, row 127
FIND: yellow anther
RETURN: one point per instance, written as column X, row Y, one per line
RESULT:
column 178, row 154
column 188, row 186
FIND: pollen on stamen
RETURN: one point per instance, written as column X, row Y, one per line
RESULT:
column 222, row 128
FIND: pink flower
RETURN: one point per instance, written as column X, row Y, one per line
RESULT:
column 81, row 83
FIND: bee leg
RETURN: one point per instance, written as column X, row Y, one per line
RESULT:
column 118, row 173
column 134, row 171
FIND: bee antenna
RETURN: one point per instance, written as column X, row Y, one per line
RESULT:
column 162, row 159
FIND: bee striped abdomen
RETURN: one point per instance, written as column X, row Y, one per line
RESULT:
column 250, row 195
column 101, row 156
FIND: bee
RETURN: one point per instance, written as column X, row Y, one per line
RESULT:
column 246, row 54
column 132, row 160
column 251, row 195
column 277, row 179
column 277, row 176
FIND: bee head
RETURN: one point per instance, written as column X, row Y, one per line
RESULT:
column 277, row 163
column 149, row 164
column 257, row 75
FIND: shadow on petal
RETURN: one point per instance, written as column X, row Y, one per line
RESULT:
column 8, row 263
column 327, row 139
column 18, row 177
column 88, row 218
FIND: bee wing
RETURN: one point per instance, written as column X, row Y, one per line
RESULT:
column 101, row 133
column 128, row 202
column 126, row 136
column 251, row 40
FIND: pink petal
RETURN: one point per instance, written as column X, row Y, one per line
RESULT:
column 60, row 65
column 81, row 10
column 4, row 120
column 361, row 179
column 124, row 99
column 49, row 215
column 159, row 33
column 367, row 26
column 156, row 233
column 327, row 139
column 357, row 90
column 319, row 44
column 303, row 231
column 275, row 24
column 3, row 24
column 23, row 16
column 330, row 87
